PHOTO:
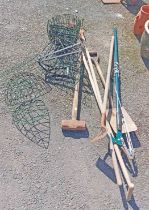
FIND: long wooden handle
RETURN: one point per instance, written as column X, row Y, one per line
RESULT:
column 103, row 117
column 98, row 99
column 99, row 102
column 125, row 172
column 115, row 164
column 102, row 78
column 108, row 76
column 93, row 76
column 99, row 71
column 76, row 98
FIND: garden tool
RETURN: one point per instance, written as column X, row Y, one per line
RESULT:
column 114, row 147
column 74, row 123
column 103, row 131
column 103, row 116
column 129, row 125
column 99, row 102
column 120, row 119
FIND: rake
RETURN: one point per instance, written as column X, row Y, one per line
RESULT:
column 120, row 119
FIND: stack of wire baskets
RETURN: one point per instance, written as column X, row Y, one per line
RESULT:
column 61, row 58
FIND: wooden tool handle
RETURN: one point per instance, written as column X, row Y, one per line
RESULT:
column 108, row 75
column 103, row 117
column 93, row 76
column 99, row 102
column 82, row 34
column 98, row 98
column 102, row 78
column 114, row 159
column 99, row 71
column 125, row 172
column 115, row 164
column 75, row 99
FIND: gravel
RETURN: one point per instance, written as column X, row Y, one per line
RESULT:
column 68, row 175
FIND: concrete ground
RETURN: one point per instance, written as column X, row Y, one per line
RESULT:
column 71, row 174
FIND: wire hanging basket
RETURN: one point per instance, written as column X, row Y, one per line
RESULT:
column 64, row 29
column 60, row 60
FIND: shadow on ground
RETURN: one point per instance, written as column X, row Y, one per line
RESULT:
column 76, row 134
column 109, row 172
column 146, row 62
column 131, row 202
column 135, row 141
column 106, row 169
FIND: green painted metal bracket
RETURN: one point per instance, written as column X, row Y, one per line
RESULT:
column 117, row 138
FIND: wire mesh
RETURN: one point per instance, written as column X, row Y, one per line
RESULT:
column 64, row 29
column 61, row 59
column 24, row 87
column 32, row 119
column 29, row 113
column 62, row 65
column 60, row 62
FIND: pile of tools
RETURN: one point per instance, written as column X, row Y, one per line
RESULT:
column 66, row 56
column 67, row 61
column 115, row 122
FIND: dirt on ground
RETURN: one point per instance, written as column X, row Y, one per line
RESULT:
column 72, row 173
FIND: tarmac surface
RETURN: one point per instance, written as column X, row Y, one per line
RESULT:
column 72, row 173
